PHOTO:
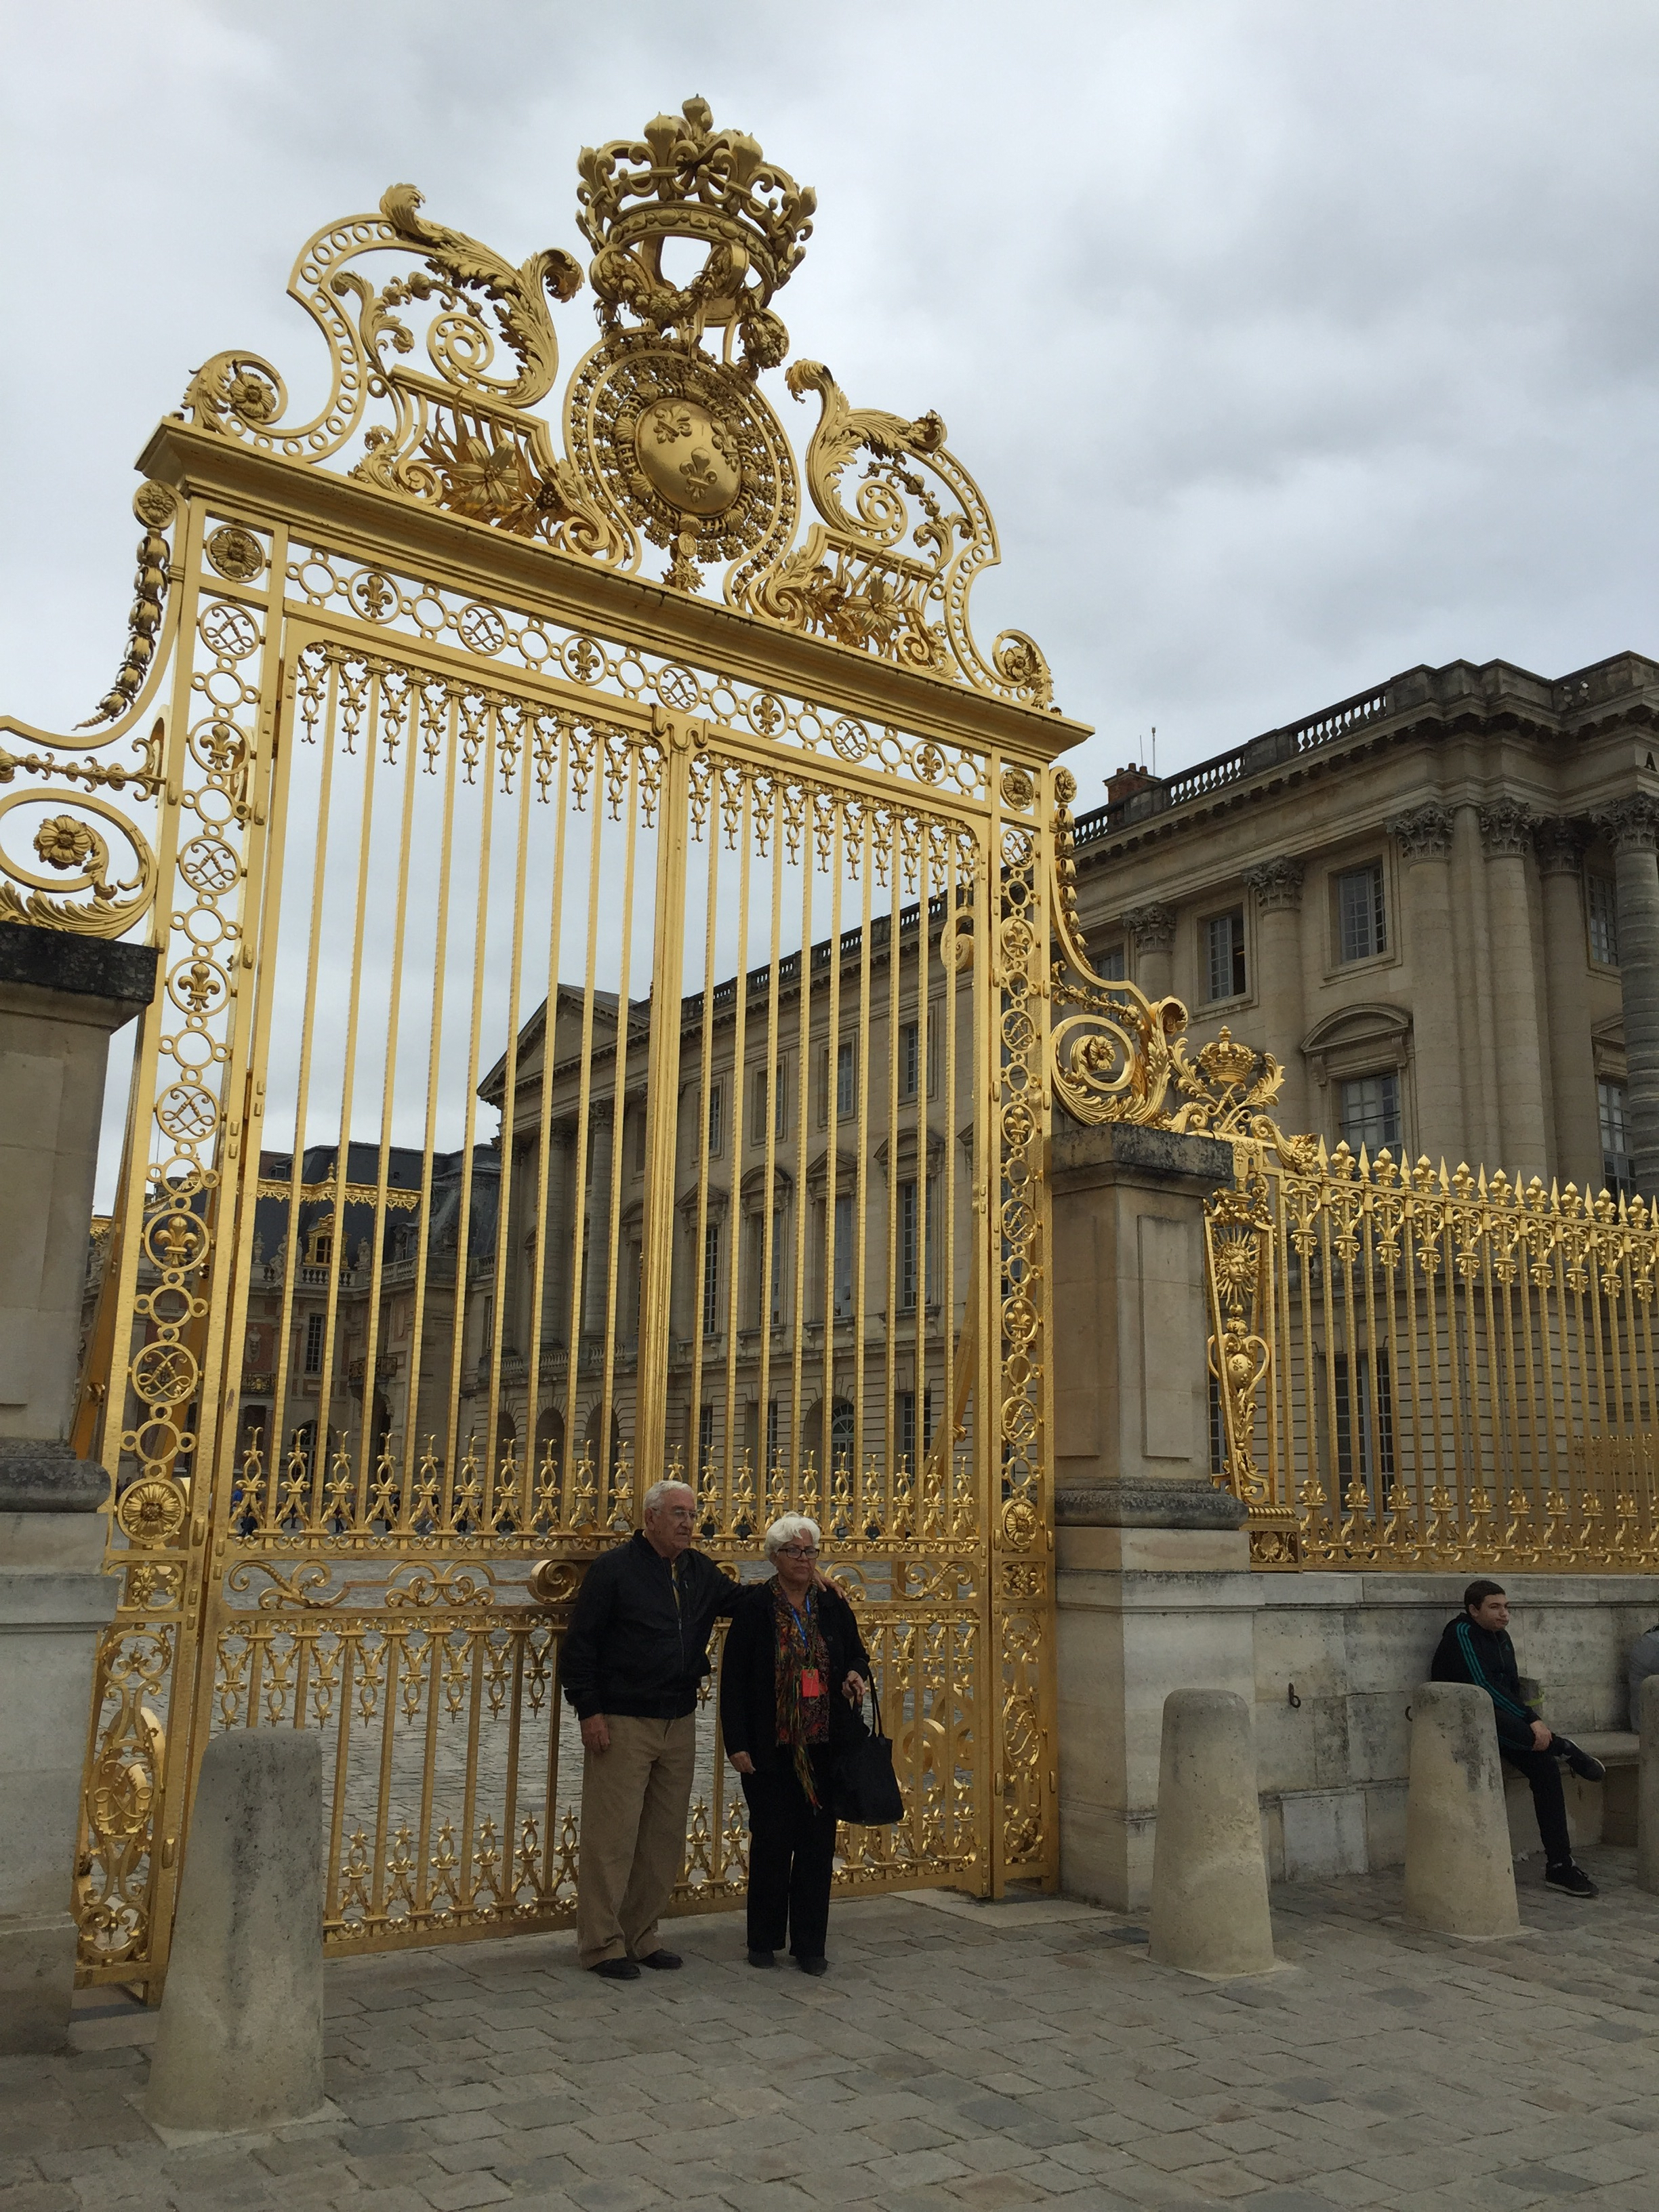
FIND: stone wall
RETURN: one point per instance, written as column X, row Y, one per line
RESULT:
column 1332, row 1767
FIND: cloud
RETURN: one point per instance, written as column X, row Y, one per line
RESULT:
column 1291, row 343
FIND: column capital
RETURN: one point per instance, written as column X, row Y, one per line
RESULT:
column 1151, row 927
column 1424, row 833
column 1632, row 826
column 1277, row 885
column 1506, row 829
column 1560, row 844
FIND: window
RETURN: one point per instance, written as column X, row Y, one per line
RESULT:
column 1364, row 1420
column 711, row 1279
column 705, row 1437
column 1111, row 965
column 641, row 1123
column 716, row 1110
column 1361, row 924
column 1615, row 1140
column 314, row 1328
column 904, row 1422
column 1368, row 1108
column 1218, row 1430
column 909, row 1071
column 771, row 1430
column 843, row 1258
column 847, row 1085
column 757, row 1266
column 910, row 1256
column 781, row 1117
column 1603, row 920
column 1223, row 954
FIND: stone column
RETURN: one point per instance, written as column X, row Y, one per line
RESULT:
column 1152, row 930
column 1576, row 1155
column 598, row 1225
column 61, row 996
column 1277, row 887
column 1506, row 835
column 1631, row 828
column 1425, row 840
column 1154, row 1590
column 554, row 1231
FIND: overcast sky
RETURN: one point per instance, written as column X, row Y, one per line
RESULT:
column 1292, row 344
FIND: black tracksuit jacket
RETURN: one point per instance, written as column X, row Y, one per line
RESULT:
column 1486, row 1656
column 629, row 1648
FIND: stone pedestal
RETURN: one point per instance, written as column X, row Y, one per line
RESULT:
column 1154, row 1591
column 60, row 998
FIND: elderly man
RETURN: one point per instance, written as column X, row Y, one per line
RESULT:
column 635, row 1654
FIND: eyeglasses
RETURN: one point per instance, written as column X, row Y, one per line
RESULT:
column 793, row 1552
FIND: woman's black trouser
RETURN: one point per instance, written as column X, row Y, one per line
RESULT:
column 1542, row 1769
column 792, row 1851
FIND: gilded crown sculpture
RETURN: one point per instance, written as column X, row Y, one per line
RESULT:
column 667, row 439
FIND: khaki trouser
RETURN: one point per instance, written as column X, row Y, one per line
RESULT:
column 633, row 1849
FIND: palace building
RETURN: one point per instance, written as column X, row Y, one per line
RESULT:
column 1436, row 903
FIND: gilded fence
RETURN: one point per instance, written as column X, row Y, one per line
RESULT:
column 602, row 1028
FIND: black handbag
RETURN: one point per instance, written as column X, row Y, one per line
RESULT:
column 865, row 1789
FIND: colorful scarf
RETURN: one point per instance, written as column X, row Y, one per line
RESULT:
column 801, row 1721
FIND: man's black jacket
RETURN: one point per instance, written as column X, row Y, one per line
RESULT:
column 749, row 1693
column 1485, row 1656
column 630, row 1649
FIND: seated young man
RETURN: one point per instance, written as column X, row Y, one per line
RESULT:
column 1476, row 1648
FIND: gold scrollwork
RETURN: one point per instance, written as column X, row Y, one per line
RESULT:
column 72, row 846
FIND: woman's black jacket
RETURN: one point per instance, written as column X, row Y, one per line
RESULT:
column 749, row 1703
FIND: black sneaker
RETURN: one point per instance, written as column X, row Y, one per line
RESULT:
column 1586, row 1768
column 615, row 1969
column 813, row 1965
column 762, row 1959
column 1572, row 1878
column 663, row 1961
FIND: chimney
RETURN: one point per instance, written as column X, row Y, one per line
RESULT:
column 1128, row 782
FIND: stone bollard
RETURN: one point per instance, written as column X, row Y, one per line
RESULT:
column 1209, row 1877
column 240, row 2044
column 1647, row 1800
column 1460, row 1878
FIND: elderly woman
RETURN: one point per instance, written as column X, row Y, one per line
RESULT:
column 794, row 1672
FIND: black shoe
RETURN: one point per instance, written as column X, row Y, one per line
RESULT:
column 1586, row 1768
column 813, row 1965
column 615, row 1969
column 762, row 1959
column 663, row 1961
column 1572, row 1878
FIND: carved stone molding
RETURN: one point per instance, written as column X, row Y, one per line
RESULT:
column 1132, row 1502
column 1151, row 927
column 1560, row 845
column 1277, row 885
column 1632, row 826
column 1424, row 833
column 1506, row 829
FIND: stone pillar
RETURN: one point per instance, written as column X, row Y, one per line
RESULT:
column 1152, row 930
column 1646, row 1718
column 1277, row 887
column 1506, row 835
column 1631, row 828
column 61, row 996
column 1154, row 1590
column 1209, row 1873
column 240, row 2043
column 1425, row 840
column 554, row 1231
column 599, row 1221
column 1576, row 1154
column 1460, row 1878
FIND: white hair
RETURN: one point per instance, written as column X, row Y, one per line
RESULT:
column 785, row 1531
column 658, row 1491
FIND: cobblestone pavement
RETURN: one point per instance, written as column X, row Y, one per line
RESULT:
column 956, row 2055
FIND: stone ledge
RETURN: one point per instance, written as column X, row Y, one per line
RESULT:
column 1126, row 1502
column 90, row 967
column 1204, row 1163
column 39, row 1475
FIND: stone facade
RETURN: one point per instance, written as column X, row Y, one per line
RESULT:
column 1437, row 904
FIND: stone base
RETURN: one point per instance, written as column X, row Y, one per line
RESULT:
column 1140, row 1612
column 36, row 1981
column 39, row 1476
